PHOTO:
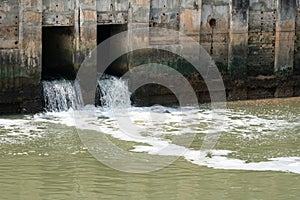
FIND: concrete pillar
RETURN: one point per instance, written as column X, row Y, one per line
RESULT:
column 31, row 41
column 138, row 17
column 9, row 43
column 85, row 29
column 238, row 45
column 261, row 37
column 214, row 31
column 285, row 36
column 190, row 22
column 297, row 42
column 30, row 46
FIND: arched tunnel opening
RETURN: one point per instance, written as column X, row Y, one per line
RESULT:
column 58, row 53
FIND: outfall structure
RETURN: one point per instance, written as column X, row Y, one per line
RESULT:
column 254, row 43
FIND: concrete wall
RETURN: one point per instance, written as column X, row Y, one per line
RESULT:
column 21, row 24
column 20, row 53
column 255, row 43
column 297, row 41
column 215, row 30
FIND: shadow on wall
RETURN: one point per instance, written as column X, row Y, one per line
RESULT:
column 153, row 94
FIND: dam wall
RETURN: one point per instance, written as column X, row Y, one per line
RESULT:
column 254, row 43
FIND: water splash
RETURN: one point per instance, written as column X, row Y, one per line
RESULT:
column 61, row 95
column 113, row 92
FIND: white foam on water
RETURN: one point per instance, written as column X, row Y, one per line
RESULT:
column 151, row 126
column 157, row 145
column 218, row 159
column 64, row 118
column 103, row 121
column 154, row 123
column 283, row 164
column 19, row 130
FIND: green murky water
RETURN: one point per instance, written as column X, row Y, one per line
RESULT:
column 256, row 157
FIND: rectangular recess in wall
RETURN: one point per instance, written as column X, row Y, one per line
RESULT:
column 58, row 54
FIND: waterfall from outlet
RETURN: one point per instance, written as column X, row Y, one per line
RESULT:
column 61, row 95
column 113, row 92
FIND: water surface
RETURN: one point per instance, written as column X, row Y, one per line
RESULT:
column 256, row 157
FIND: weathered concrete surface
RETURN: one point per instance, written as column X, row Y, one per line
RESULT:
column 20, row 53
column 297, row 42
column 215, row 30
column 58, row 13
column 21, row 25
column 285, row 36
column 238, row 45
column 255, row 43
column 112, row 11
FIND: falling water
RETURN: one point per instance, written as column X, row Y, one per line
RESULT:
column 61, row 95
column 113, row 92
